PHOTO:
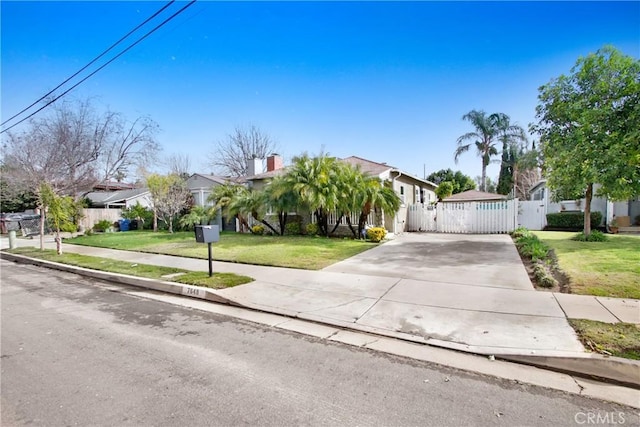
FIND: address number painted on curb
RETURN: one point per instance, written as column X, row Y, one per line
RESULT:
column 193, row 292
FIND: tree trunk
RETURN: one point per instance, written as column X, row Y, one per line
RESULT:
column 353, row 231
column 587, row 210
column 268, row 225
column 171, row 224
column 483, row 184
column 282, row 220
column 322, row 222
column 338, row 221
column 42, row 219
column 155, row 221
column 58, row 242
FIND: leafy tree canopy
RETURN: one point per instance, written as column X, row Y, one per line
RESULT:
column 589, row 127
column 460, row 181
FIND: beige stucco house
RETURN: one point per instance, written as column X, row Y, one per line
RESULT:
column 409, row 188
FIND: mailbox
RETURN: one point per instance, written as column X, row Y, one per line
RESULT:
column 207, row 233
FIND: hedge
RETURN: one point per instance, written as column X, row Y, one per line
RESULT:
column 572, row 219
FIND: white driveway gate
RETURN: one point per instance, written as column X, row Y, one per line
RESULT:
column 465, row 217
column 421, row 218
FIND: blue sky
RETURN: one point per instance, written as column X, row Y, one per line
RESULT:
column 387, row 81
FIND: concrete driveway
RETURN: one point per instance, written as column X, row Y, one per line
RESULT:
column 468, row 292
column 487, row 260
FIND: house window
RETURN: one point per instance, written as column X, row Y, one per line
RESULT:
column 402, row 194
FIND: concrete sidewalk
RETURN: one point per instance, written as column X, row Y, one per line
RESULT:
column 480, row 319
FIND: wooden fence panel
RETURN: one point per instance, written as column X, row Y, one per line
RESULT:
column 421, row 218
column 91, row 216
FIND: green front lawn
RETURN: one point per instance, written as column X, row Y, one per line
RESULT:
column 311, row 253
column 217, row 281
column 610, row 268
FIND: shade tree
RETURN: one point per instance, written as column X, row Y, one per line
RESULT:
column 589, row 127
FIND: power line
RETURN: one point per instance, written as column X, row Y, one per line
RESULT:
column 90, row 63
column 99, row 68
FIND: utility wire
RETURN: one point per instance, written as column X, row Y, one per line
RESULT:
column 90, row 63
column 99, row 68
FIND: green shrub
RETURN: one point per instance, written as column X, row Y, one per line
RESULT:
column 595, row 236
column 572, row 219
column 376, row 234
column 520, row 232
column 292, row 228
column 312, row 229
column 257, row 229
column 532, row 247
column 543, row 275
column 102, row 225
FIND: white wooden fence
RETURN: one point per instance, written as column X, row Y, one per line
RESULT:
column 421, row 218
column 464, row 217
column 532, row 214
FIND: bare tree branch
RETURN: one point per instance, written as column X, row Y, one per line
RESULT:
column 231, row 156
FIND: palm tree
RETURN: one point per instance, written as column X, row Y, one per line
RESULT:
column 252, row 203
column 377, row 197
column 282, row 198
column 222, row 196
column 484, row 138
column 349, row 180
column 196, row 216
column 315, row 179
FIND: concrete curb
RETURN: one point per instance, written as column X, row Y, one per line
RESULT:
column 622, row 371
column 143, row 282
column 588, row 365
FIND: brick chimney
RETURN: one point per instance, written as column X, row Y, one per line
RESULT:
column 274, row 162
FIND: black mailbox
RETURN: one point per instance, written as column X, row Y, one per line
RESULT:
column 207, row 233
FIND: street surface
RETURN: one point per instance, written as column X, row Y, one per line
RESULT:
column 77, row 352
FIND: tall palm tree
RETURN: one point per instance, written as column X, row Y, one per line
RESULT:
column 484, row 139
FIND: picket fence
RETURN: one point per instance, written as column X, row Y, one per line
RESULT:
column 464, row 217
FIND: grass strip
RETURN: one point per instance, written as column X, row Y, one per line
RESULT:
column 617, row 339
column 196, row 278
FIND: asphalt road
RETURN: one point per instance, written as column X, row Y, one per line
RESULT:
column 76, row 352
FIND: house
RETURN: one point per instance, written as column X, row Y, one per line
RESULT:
column 200, row 186
column 625, row 211
column 119, row 199
column 409, row 188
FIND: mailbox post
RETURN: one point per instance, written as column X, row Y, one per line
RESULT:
column 208, row 234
